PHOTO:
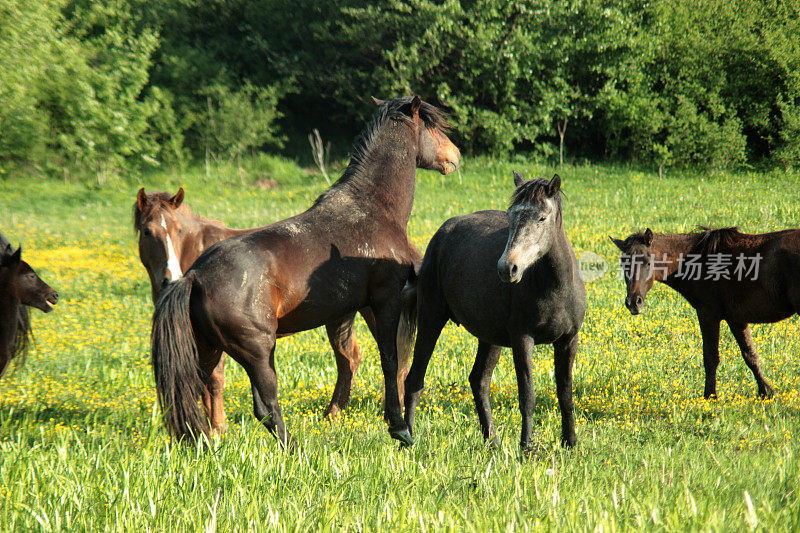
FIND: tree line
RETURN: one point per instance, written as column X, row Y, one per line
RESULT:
column 121, row 84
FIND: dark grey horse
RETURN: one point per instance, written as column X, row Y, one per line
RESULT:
column 532, row 295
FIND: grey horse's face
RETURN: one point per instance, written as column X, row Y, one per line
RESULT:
column 532, row 224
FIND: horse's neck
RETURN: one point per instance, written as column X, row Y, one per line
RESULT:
column 211, row 232
column 8, row 322
column 669, row 251
column 383, row 185
column 559, row 258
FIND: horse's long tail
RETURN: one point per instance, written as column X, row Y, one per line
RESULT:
column 176, row 362
column 406, row 329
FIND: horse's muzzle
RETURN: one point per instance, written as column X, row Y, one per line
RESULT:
column 635, row 304
column 508, row 272
column 50, row 300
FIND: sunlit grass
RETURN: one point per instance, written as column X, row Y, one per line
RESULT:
column 82, row 445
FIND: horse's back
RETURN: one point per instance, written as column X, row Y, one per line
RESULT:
column 466, row 248
column 766, row 290
column 301, row 272
column 460, row 270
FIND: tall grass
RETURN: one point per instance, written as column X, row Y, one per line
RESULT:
column 82, row 446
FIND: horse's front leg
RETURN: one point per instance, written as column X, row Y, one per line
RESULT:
column 341, row 336
column 5, row 359
column 387, row 305
column 403, row 359
column 521, row 349
column 564, row 358
column 709, row 329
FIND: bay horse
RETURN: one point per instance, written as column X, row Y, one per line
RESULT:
column 748, row 279
column 511, row 279
column 20, row 287
column 348, row 251
column 172, row 237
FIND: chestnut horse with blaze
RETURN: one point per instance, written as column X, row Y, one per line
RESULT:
column 348, row 251
column 172, row 237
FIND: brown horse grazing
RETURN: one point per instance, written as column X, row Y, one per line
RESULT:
column 19, row 287
column 511, row 279
column 725, row 275
column 172, row 237
column 349, row 250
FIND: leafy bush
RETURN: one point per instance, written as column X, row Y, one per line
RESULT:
column 240, row 120
column 128, row 82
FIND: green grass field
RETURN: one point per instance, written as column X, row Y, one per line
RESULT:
column 82, row 445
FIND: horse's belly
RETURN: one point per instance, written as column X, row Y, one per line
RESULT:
column 756, row 307
column 315, row 312
column 489, row 335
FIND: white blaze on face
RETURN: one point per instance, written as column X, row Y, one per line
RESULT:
column 173, row 265
column 531, row 240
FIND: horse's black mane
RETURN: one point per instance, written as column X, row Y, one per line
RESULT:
column 534, row 191
column 709, row 240
column 22, row 338
column 396, row 109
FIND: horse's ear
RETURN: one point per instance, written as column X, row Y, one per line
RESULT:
column 378, row 102
column 141, row 199
column 554, row 186
column 648, row 236
column 13, row 259
column 518, row 179
column 620, row 244
column 416, row 103
column 177, row 200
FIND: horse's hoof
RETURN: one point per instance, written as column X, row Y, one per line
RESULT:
column 404, row 436
column 528, row 451
column 767, row 393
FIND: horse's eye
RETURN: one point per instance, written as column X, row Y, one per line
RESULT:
column 147, row 232
column 542, row 219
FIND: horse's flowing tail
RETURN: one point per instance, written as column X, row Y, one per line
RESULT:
column 406, row 329
column 176, row 362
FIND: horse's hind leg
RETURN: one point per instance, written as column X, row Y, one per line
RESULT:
column 741, row 332
column 430, row 321
column 481, row 379
column 709, row 329
column 345, row 349
column 256, row 354
column 564, row 358
column 212, row 372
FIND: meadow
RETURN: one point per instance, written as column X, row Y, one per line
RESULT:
column 82, row 445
